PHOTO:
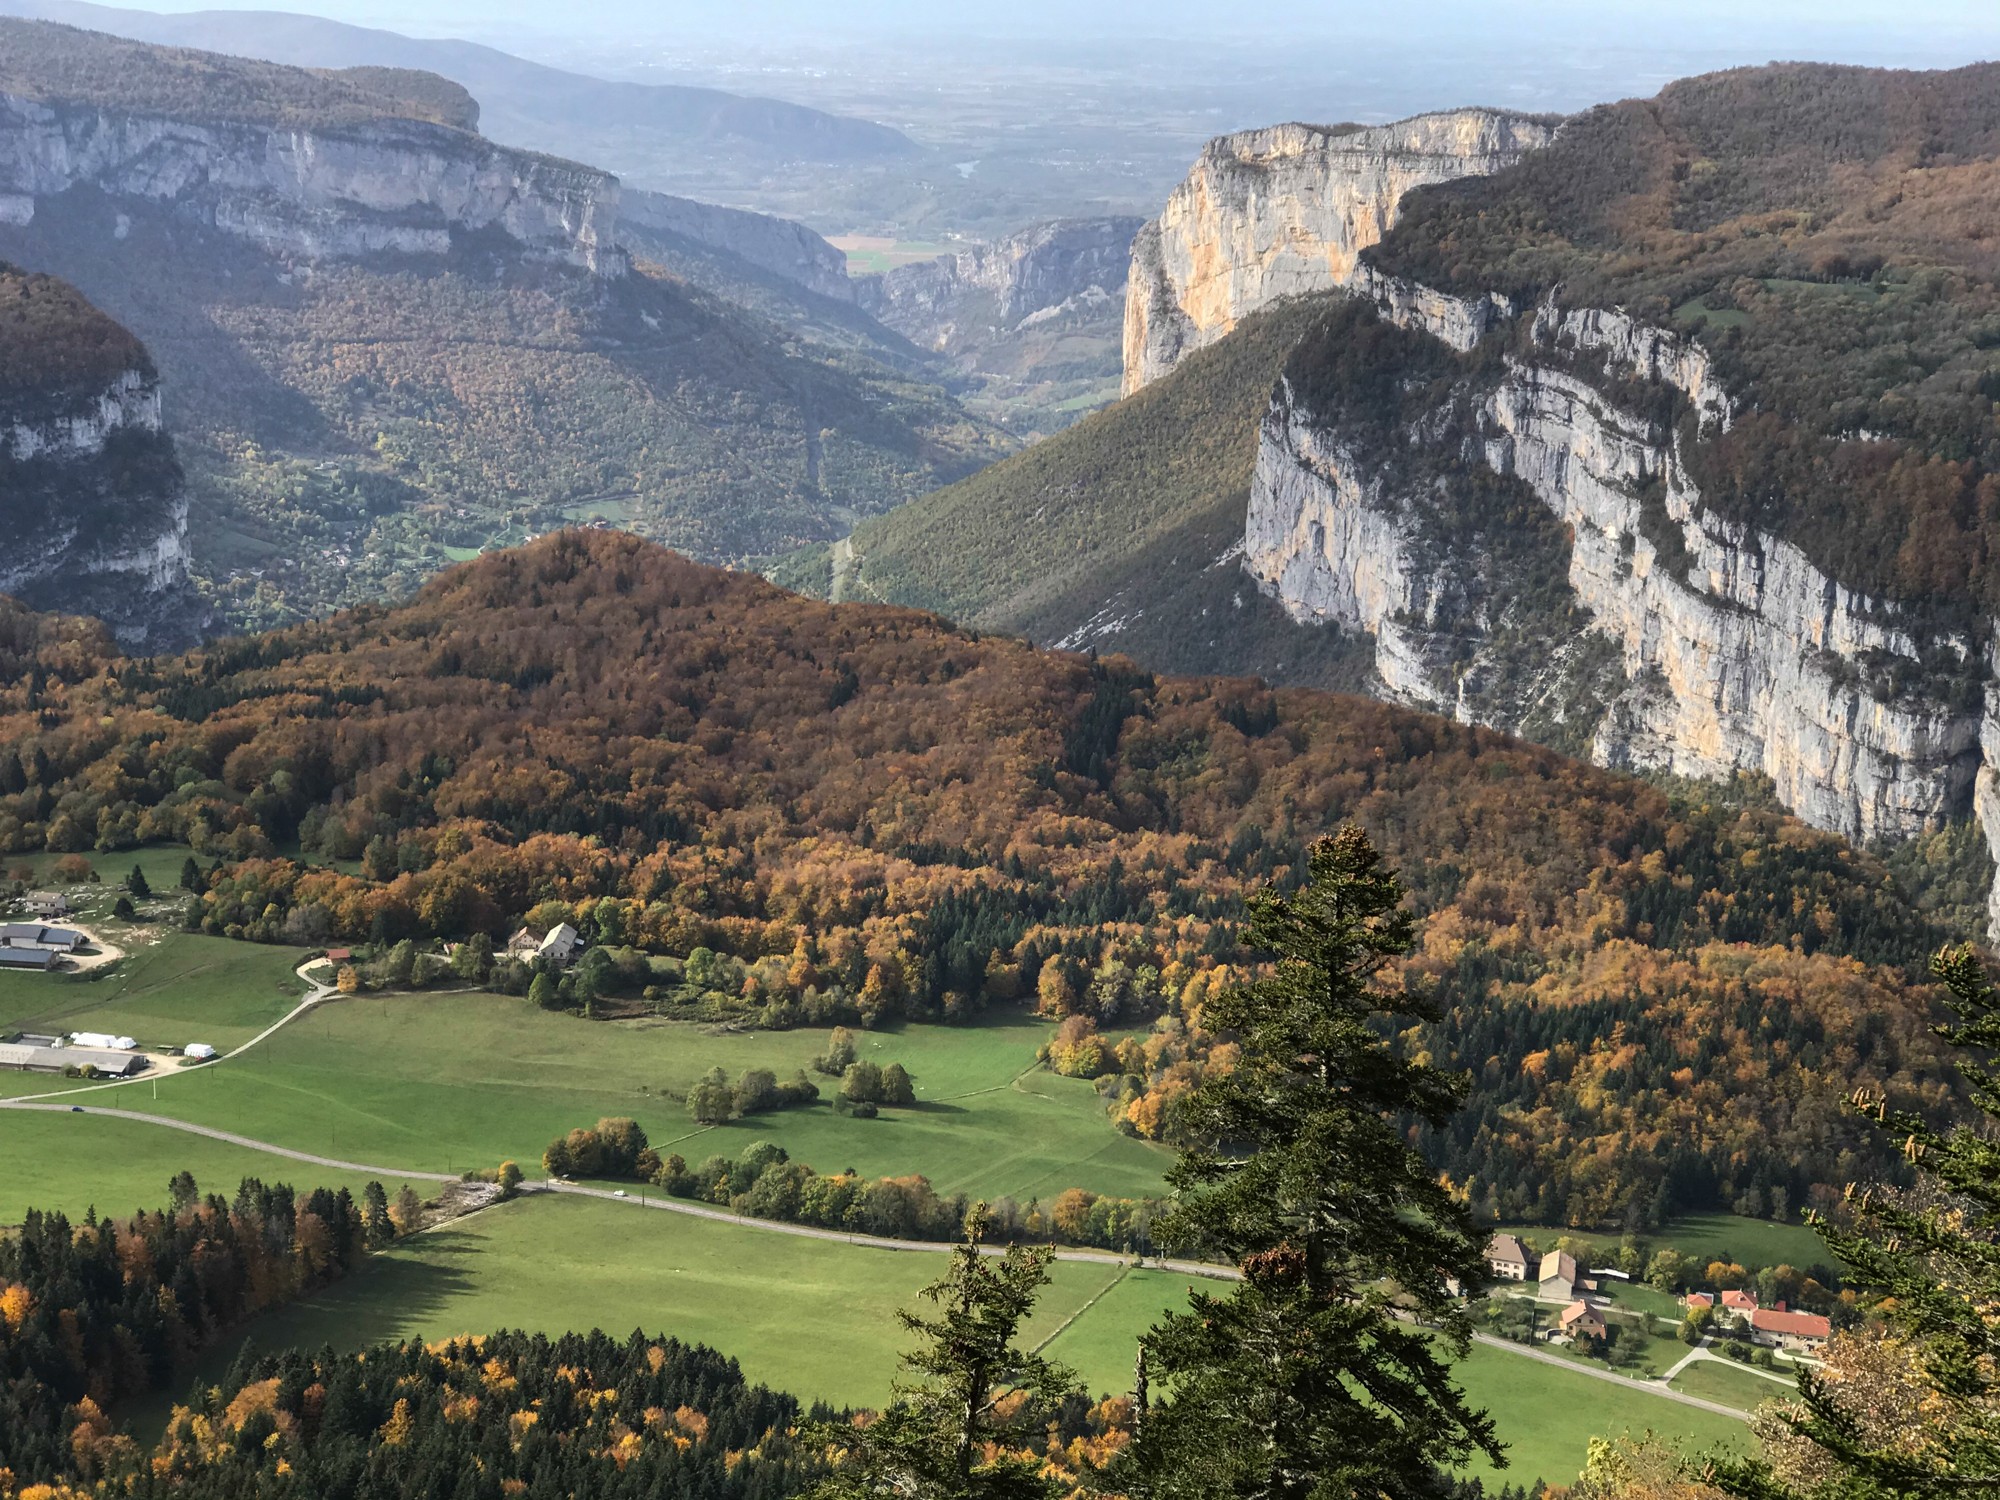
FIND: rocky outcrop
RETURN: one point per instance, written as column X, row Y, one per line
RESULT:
column 785, row 249
column 1734, row 652
column 1068, row 266
column 1287, row 211
column 92, row 504
column 391, row 186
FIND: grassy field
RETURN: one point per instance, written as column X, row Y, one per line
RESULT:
column 1547, row 1416
column 183, row 988
column 445, row 1082
column 810, row 1316
column 869, row 253
column 1713, row 1380
column 818, row 1319
column 77, row 1162
column 1710, row 1237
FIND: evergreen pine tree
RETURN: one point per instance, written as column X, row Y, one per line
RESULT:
column 1932, row 1255
column 190, row 875
column 931, row 1442
column 1314, row 1377
column 137, row 884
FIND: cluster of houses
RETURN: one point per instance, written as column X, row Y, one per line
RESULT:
column 1556, row 1277
column 1778, row 1326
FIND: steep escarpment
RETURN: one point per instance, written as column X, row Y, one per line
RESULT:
column 1286, row 211
column 296, row 163
column 1040, row 273
column 785, row 249
column 91, row 497
column 385, row 340
column 1771, row 463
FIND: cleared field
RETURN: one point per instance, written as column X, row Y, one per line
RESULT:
column 1547, row 1416
column 78, row 1162
column 183, row 988
column 868, row 253
column 1714, row 1380
column 818, row 1319
column 441, row 1083
column 810, row 1316
column 1709, row 1236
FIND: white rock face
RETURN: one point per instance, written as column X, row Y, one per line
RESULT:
column 779, row 246
column 397, row 186
column 133, row 400
column 1738, row 655
column 1458, row 321
column 93, row 547
column 1042, row 272
column 1284, row 212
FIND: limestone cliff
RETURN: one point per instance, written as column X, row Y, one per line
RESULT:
column 1729, row 650
column 92, row 504
column 370, row 187
column 787, row 250
column 1286, row 211
column 1041, row 273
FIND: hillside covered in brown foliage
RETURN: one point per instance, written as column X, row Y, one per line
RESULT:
column 877, row 812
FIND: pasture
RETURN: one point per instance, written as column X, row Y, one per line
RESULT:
column 818, row 1318
column 79, row 1162
column 447, row 1082
column 1707, row 1236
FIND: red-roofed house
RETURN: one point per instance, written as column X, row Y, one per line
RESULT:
column 1743, row 1302
column 1581, row 1320
column 1789, row 1330
column 1698, row 1299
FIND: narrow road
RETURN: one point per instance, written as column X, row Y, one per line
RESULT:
column 1650, row 1387
column 670, row 1205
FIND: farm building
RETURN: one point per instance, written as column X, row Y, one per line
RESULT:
column 1795, row 1331
column 102, row 1040
column 1506, row 1258
column 36, row 935
column 199, row 1051
column 1558, row 1278
column 27, row 958
column 30, row 1059
column 46, row 904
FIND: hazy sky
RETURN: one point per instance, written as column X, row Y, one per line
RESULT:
column 1805, row 25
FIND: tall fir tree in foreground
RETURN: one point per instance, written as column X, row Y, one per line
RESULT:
column 1914, row 1409
column 974, row 1388
column 1313, row 1379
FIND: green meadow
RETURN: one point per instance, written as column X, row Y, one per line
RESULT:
column 1712, row 1236
column 447, row 1082
column 79, row 1162
column 455, row 1081
column 818, row 1318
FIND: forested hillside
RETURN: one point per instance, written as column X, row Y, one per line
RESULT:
column 1119, row 532
column 1824, row 233
column 874, row 813
column 55, row 348
column 370, row 370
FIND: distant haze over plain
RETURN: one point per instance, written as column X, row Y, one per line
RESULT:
column 1756, row 24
